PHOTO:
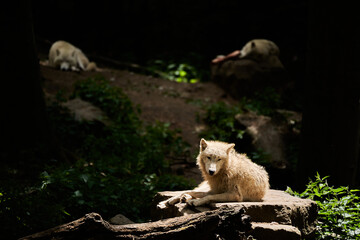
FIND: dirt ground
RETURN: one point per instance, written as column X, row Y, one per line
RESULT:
column 159, row 100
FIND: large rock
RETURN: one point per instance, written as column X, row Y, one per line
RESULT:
column 283, row 215
column 275, row 231
column 85, row 111
column 244, row 77
column 271, row 134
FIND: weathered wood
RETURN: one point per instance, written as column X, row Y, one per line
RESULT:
column 222, row 223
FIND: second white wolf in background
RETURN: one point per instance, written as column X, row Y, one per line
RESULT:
column 66, row 56
column 265, row 52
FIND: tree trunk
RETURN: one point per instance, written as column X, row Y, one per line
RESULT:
column 220, row 224
column 24, row 126
column 331, row 101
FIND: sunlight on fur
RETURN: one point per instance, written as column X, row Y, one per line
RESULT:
column 228, row 177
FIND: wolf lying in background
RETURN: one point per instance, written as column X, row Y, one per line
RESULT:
column 66, row 56
column 229, row 177
column 263, row 51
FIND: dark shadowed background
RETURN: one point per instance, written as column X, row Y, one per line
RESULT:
column 319, row 47
column 143, row 29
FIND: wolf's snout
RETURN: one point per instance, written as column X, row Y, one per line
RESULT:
column 64, row 66
column 212, row 169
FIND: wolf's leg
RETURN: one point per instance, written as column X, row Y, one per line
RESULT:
column 184, row 197
column 173, row 200
column 200, row 191
column 222, row 197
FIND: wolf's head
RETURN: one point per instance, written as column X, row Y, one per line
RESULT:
column 213, row 156
column 66, row 59
column 260, row 50
column 252, row 50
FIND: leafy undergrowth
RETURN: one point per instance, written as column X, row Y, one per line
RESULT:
column 180, row 71
column 222, row 125
column 221, row 122
column 118, row 167
column 339, row 209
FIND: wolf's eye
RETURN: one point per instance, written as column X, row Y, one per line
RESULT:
column 208, row 157
column 219, row 159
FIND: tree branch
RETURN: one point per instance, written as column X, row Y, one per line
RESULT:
column 218, row 224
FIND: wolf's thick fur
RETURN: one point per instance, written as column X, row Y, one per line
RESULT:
column 66, row 56
column 229, row 177
column 263, row 51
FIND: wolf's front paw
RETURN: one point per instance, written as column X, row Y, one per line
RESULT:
column 185, row 197
column 169, row 202
column 162, row 205
column 75, row 69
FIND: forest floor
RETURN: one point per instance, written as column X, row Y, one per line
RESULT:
column 179, row 104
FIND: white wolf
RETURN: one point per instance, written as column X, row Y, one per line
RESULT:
column 229, row 177
column 263, row 51
column 66, row 56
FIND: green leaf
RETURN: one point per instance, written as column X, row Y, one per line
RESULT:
column 182, row 73
column 77, row 193
column 65, row 212
column 84, row 177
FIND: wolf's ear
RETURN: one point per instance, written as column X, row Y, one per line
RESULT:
column 203, row 144
column 57, row 52
column 253, row 45
column 230, row 146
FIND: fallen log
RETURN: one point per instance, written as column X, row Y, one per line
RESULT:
column 222, row 223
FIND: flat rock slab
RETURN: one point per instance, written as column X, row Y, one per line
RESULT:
column 275, row 231
column 278, row 209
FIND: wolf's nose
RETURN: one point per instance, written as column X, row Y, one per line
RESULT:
column 64, row 66
column 211, row 172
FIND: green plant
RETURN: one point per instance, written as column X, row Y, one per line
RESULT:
column 110, row 99
column 182, row 73
column 260, row 157
column 174, row 71
column 223, row 126
column 116, row 168
column 221, row 122
column 264, row 102
column 339, row 209
column 26, row 210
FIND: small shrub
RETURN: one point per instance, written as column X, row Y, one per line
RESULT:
column 264, row 102
column 116, row 168
column 339, row 209
column 221, row 122
column 222, row 126
column 182, row 73
column 110, row 99
column 174, row 71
